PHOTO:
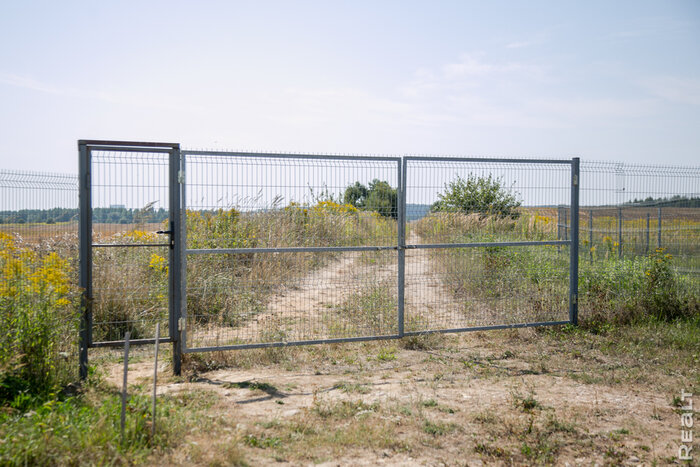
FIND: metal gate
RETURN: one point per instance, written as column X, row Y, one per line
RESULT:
column 270, row 250
column 129, row 229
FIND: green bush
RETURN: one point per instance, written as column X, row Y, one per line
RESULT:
column 619, row 290
column 484, row 195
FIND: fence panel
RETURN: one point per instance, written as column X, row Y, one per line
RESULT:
column 482, row 245
column 278, row 253
column 38, row 260
column 127, row 276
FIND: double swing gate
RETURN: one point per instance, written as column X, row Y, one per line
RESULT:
column 230, row 250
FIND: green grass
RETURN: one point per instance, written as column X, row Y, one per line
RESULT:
column 85, row 429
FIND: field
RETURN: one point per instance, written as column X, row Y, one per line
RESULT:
column 603, row 393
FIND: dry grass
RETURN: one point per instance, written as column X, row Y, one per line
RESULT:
column 506, row 397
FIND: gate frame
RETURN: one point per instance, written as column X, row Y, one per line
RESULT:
column 85, row 148
column 396, row 245
column 572, row 242
column 178, row 249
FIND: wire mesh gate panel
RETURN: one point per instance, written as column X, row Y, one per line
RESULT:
column 129, row 210
column 481, row 244
column 237, row 250
column 277, row 253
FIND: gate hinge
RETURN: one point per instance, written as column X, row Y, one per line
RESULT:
column 181, row 324
column 181, row 176
column 574, row 299
column 575, row 181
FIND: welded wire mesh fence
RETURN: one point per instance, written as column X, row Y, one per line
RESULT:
column 130, row 260
column 486, row 252
column 289, row 248
column 631, row 214
column 38, row 283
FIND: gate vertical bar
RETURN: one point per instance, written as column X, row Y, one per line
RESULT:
column 175, row 258
column 402, row 243
column 181, row 329
column 85, row 235
column 646, row 248
column 590, row 233
column 619, row 232
column 659, row 228
column 573, row 262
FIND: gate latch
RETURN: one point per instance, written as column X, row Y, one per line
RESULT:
column 164, row 232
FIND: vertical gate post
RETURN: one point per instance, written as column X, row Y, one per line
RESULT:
column 590, row 233
column 402, row 242
column 175, row 258
column 659, row 227
column 85, row 239
column 646, row 248
column 573, row 261
column 619, row 232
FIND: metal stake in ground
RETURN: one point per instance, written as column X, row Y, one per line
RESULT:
column 126, row 372
column 155, row 380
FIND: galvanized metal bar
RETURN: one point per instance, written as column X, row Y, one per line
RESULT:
column 619, row 232
column 401, row 231
column 264, row 345
column 646, row 245
column 85, row 239
column 124, row 384
column 422, row 246
column 144, row 144
column 488, row 160
column 289, row 156
column 150, row 150
column 155, row 382
column 128, row 245
column 487, row 328
column 590, row 233
column 659, row 228
column 162, row 340
column 573, row 261
column 175, row 282
column 301, row 249
column 181, row 324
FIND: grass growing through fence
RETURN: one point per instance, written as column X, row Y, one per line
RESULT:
column 38, row 322
column 611, row 288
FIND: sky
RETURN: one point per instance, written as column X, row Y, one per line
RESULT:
column 609, row 81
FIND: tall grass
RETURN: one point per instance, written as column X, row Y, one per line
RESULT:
column 610, row 288
column 38, row 321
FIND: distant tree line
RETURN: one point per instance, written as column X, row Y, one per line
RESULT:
column 112, row 215
column 676, row 201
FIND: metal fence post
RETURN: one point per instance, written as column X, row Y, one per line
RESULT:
column 175, row 258
column 590, row 233
column 558, row 222
column 619, row 232
column 402, row 165
column 646, row 248
column 85, row 239
column 659, row 226
column 573, row 261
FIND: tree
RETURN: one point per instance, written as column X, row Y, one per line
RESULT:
column 379, row 197
column 356, row 195
column 483, row 195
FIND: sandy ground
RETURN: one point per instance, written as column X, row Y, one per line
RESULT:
column 477, row 382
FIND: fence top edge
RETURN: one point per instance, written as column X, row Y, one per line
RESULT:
column 489, row 159
column 274, row 155
column 144, row 144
